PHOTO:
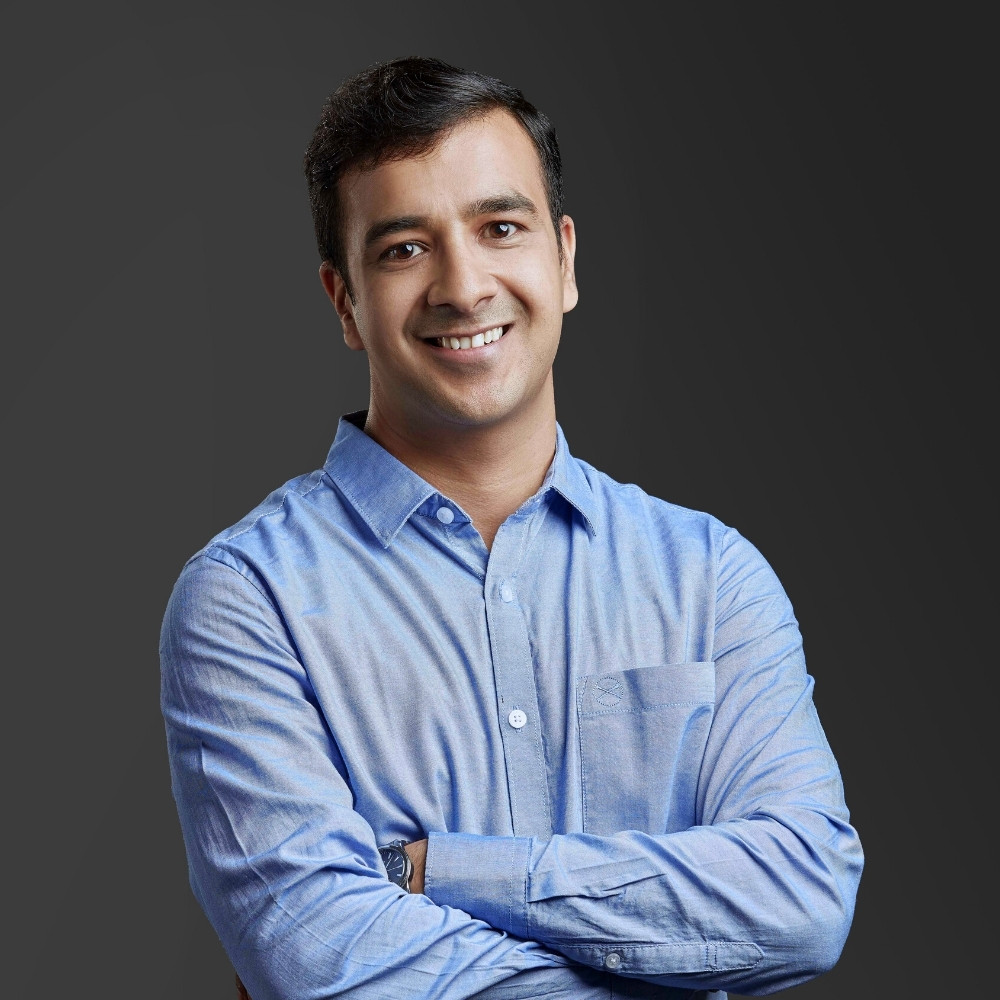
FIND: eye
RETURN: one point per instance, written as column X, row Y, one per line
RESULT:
column 403, row 251
column 502, row 230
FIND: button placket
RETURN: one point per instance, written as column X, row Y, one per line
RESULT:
column 514, row 675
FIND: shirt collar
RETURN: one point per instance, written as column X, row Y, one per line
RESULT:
column 385, row 492
column 381, row 489
column 568, row 479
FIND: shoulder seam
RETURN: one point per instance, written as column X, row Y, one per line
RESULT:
column 272, row 510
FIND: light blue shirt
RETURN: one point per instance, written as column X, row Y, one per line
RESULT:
column 604, row 725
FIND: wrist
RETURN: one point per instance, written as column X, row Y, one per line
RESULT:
column 417, row 853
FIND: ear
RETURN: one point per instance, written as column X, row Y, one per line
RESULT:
column 571, row 294
column 336, row 290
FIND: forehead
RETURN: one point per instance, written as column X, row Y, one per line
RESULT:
column 475, row 160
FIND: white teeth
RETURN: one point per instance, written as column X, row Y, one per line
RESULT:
column 479, row 340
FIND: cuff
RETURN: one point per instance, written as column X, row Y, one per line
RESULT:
column 487, row 877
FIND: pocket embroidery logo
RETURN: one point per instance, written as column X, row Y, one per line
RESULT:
column 610, row 689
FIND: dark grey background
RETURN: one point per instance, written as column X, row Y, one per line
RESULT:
column 781, row 216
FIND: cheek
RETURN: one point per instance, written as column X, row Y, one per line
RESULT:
column 542, row 288
column 382, row 310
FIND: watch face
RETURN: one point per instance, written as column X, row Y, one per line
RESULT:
column 395, row 862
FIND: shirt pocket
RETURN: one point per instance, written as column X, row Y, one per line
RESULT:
column 642, row 740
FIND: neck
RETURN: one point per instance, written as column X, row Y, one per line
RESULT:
column 489, row 471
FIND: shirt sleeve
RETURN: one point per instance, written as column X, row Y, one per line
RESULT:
column 759, row 895
column 283, row 866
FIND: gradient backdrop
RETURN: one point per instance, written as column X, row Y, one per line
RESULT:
column 781, row 218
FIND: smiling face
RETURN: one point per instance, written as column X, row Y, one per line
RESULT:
column 459, row 287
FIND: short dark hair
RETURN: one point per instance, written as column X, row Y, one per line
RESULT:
column 402, row 108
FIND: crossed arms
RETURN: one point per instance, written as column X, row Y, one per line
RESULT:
column 754, row 892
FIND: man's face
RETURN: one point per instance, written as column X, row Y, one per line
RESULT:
column 455, row 249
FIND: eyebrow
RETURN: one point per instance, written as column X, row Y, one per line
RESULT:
column 509, row 202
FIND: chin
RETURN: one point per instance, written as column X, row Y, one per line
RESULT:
column 486, row 413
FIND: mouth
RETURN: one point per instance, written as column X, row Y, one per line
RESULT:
column 467, row 343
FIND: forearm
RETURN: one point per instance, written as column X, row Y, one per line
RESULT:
column 746, row 905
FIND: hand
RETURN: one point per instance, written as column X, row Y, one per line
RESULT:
column 417, row 853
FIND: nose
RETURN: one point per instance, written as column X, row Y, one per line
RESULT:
column 462, row 278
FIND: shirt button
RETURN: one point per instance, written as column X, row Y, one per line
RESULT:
column 445, row 515
column 612, row 960
column 506, row 592
column 517, row 719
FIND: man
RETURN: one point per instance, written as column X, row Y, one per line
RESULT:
column 575, row 719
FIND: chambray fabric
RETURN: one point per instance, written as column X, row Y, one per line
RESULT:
column 604, row 724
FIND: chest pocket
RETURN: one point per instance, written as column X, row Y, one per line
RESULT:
column 642, row 740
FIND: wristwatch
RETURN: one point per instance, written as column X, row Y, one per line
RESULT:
column 398, row 865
